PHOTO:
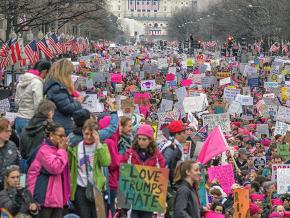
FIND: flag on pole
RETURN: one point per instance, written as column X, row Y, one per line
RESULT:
column 31, row 52
column 42, row 45
column 203, row 132
column 4, row 51
column 17, row 51
column 53, row 41
column 214, row 145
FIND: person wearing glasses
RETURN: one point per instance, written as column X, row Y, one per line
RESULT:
column 144, row 152
column 48, row 172
column 15, row 198
column 9, row 154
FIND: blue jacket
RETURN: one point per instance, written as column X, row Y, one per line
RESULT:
column 65, row 104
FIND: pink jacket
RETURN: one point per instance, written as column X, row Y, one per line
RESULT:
column 48, row 176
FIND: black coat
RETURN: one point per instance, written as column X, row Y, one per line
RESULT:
column 32, row 136
column 186, row 204
column 65, row 104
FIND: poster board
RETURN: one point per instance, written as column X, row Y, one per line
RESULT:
column 283, row 181
column 241, row 203
column 214, row 120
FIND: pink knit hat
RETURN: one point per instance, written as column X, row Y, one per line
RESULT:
column 146, row 130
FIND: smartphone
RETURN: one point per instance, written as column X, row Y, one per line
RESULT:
column 22, row 182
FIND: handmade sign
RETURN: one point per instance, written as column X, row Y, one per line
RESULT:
column 213, row 120
column 221, row 75
column 170, row 77
column 245, row 100
column 147, row 85
column 283, row 181
column 224, row 174
column 250, row 71
column 142, row 99
column 166, row 105
column 235, row 108
column 230, row 94
column 186, row 82
column 253, row 82
column 283, row 114
column 194, row 104
column 262, row 129
column 208, row 81
column 93, row 104
column 280, row 128
column 283, row 150
column 180, row 93
column 142, row 188
column 259, row 162
column 241, row 203
column 4, row 105
column 225, row 81
column 196, row 78
column 116, row 77
column 275, row 167
column 269, row 85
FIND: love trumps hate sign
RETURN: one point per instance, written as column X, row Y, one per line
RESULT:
column 142, row 188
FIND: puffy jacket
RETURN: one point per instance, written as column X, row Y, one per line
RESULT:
column 9, row 155
column 48, row 176
column 32, row 136
column 101, row 159
column 16, row 201
column 156, row 160
column 65, row 104
column 116, row 158
column 28, row 94
column 186, row 203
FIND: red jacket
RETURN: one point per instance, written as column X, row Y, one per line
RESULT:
column 156, row 160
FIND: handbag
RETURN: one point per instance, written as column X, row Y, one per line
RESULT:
column 90, row 186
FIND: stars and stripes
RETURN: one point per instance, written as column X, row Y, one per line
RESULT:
column 31, row 52
column 42, row 45
column 274, row 48
column 54, row 42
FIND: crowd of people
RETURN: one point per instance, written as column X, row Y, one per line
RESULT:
column 57, row 154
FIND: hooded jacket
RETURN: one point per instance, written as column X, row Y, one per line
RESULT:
column 116, row 158
column 65, row 104
column 29, row 93
column 32, row 135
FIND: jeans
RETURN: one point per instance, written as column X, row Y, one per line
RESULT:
column 141, row 214
column 20, row 123
column 84, row 208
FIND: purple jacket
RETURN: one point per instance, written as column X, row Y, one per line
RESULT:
column 48, row 176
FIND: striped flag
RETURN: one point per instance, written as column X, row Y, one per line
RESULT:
column 4, row 52
column 31, row 52
column 17, row 51
column 4, row 62
column 285, row 48
column 42, row 45
column 53, row 41
column 23, row 22
column 274, row 48
column 69, row 44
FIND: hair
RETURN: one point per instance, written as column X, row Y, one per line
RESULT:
column 181, row 169
column 151, row 148
column 51, row 127
column 124, row 120
column 42, row 65
column 267, row 184
column 61, row 71
column 90, row 125
column 4, row 124
column 277, row 136
column 216, row 191
column 215, row 204
column 255, row 185
column 277, row 156
column 7, row 172
column 46, row 106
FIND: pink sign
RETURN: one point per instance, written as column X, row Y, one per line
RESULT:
column 170, row 77
column 186, row 82
column 116, row 77
column 196, row 71
column 212, row 214
column 224, row 174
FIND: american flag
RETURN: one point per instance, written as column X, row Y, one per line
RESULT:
column 4, row 52
column 4, row 62
column 257, row 47
column 23, row 22
column 285, row 48
column 274, row 48
column 42, row 45
column 69, row 44
column 203, row 132
column 53, row 41
column 31, row 52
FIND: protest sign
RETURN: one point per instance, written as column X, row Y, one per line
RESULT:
column 225, row 81
column 180, row 93
column 269, row 85
column 211, row 214
column 186, row 82
column 178, row 107
column 119, row 87
column 235, row 108
column 208, row 81
column 166, row 105
column 92, row 104
column 224, row 174
column 170, row 77
column 259, row 162
column 283, row 181
column 280, row 128
column 222, row 75
column 142, row 188
column 194, row 104
column 116, row 77
column 141, row 99
column 275, row 167
column 168, row 116
column 283, row 151
column 147, row 85
column 262, row 129
column 245, row 100
column 283, row 114
column 250, row 71
column 253, row 82
column 213, row 120
column 262, row 108
column 89, row 84
column 4, row 105
column 241, row 203
column 230, row 94
column 247, row 91
column 196, row 78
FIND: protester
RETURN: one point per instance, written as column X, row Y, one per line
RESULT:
column 32, row 136
column 125, row 140
column 59, row 89
column 48, row 172
column 9, row 154
column 16, row 199
column 86, row 162
column 29, row 93
column 144, row 152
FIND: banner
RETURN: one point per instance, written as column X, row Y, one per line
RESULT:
column 241, row 203
column 142, row 188
column 225, row 176
column 275, row 167
column 283, row 181
column 147, row 85
column 213, row 120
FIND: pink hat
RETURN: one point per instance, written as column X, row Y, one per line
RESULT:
column 252, row 125
column 276, row 202
column 255, row 197
column 146, row 130
column 254, row 209
column 266, row 142
column 275, row 215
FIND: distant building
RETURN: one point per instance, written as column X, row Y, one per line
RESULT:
column 2, row 28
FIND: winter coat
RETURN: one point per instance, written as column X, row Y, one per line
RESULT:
column 65, row 104
column 156, row 160
column 124, row 144
column 32, row 136
column 101, row 159
column 9, row 155
column 186, row 203
column 116, row 158
column 29, row 93
column 16, row 201
column 48, row 176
